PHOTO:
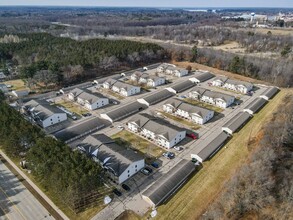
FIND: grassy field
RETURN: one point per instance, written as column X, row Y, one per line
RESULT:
column 193, row 199
column 111, row 93
column 73, row 107
column 127, row 138
column 17, row 84
column 191, row 125
column 203, row 104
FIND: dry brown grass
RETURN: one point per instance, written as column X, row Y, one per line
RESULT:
column 17, row 84
column 196, row 66
column 136, row 142
column 194, row 198
column 189, row 124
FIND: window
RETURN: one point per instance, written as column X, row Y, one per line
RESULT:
column 128, row 175
column 135, row 166
column 128, row 171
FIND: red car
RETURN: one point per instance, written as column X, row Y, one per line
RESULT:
column 192, row 135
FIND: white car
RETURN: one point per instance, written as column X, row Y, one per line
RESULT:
column 120, row 127
column 178, row 148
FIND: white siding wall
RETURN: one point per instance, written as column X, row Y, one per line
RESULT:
column 194, row 95
column 106, row 85
column 133, row 127
column 179, row 137
column 217, row 83
column 54, row 119
column 71, row 97
column 131, row 170
column 168, row 108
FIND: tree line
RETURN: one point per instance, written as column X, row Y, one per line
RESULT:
column 67, row 174
column 276, row 71
column 263, row 188
column 40, row 51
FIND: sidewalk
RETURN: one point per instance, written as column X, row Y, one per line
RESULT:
column 40, row 193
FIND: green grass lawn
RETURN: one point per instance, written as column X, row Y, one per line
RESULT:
column 190, row 124
column 129, row 139
column 203, row 104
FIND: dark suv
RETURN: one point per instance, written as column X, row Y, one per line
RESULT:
column 125, row 187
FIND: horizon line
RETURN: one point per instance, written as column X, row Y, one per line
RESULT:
column 178, row 7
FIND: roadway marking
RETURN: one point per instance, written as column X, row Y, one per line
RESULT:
column 6, row 214
column 13, row 204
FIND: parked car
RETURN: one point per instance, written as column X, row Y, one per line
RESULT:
column 117, row 192
column 86, row 114
column 74, row 118
column 192, row 135
column 169, row 155
column 149, row 169
column 145, row 171
column 155, row 165
column 124, row 186
column 115, row 103
column 178, row 148
column 120, row 127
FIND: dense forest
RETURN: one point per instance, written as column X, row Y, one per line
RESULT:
column 263, row 189
column 275, row 71
column 67, row 174
column 64, row 58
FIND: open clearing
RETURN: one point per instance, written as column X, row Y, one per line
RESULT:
column 17, row 84
column 127, row 138
column 193, row 199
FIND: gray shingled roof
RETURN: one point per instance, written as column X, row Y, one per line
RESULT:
column 76, row 92
column 158, row 96
column 110, row 81
column 182, row 86
column 237, row 121
column 162, row 189
column 199, row 90
column 174, row 102
column 42, row 109
column 122, row 85
column 238, row 82
column 191, row 109
column 141, row 119
column 85, row 127
column 203, row 76
column 118, row 157
column 256, row 105
column 157, row 126
column 90, row 97
column 206, row 150
column 125, row 111
column 270, row 92
column 217, row 95
column 222, row 78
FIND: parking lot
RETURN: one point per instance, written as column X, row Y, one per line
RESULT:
column 139, row 182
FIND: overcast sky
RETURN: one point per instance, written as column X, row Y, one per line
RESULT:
column 156, row 3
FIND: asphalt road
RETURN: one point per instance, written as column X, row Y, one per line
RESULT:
column 16, row 202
